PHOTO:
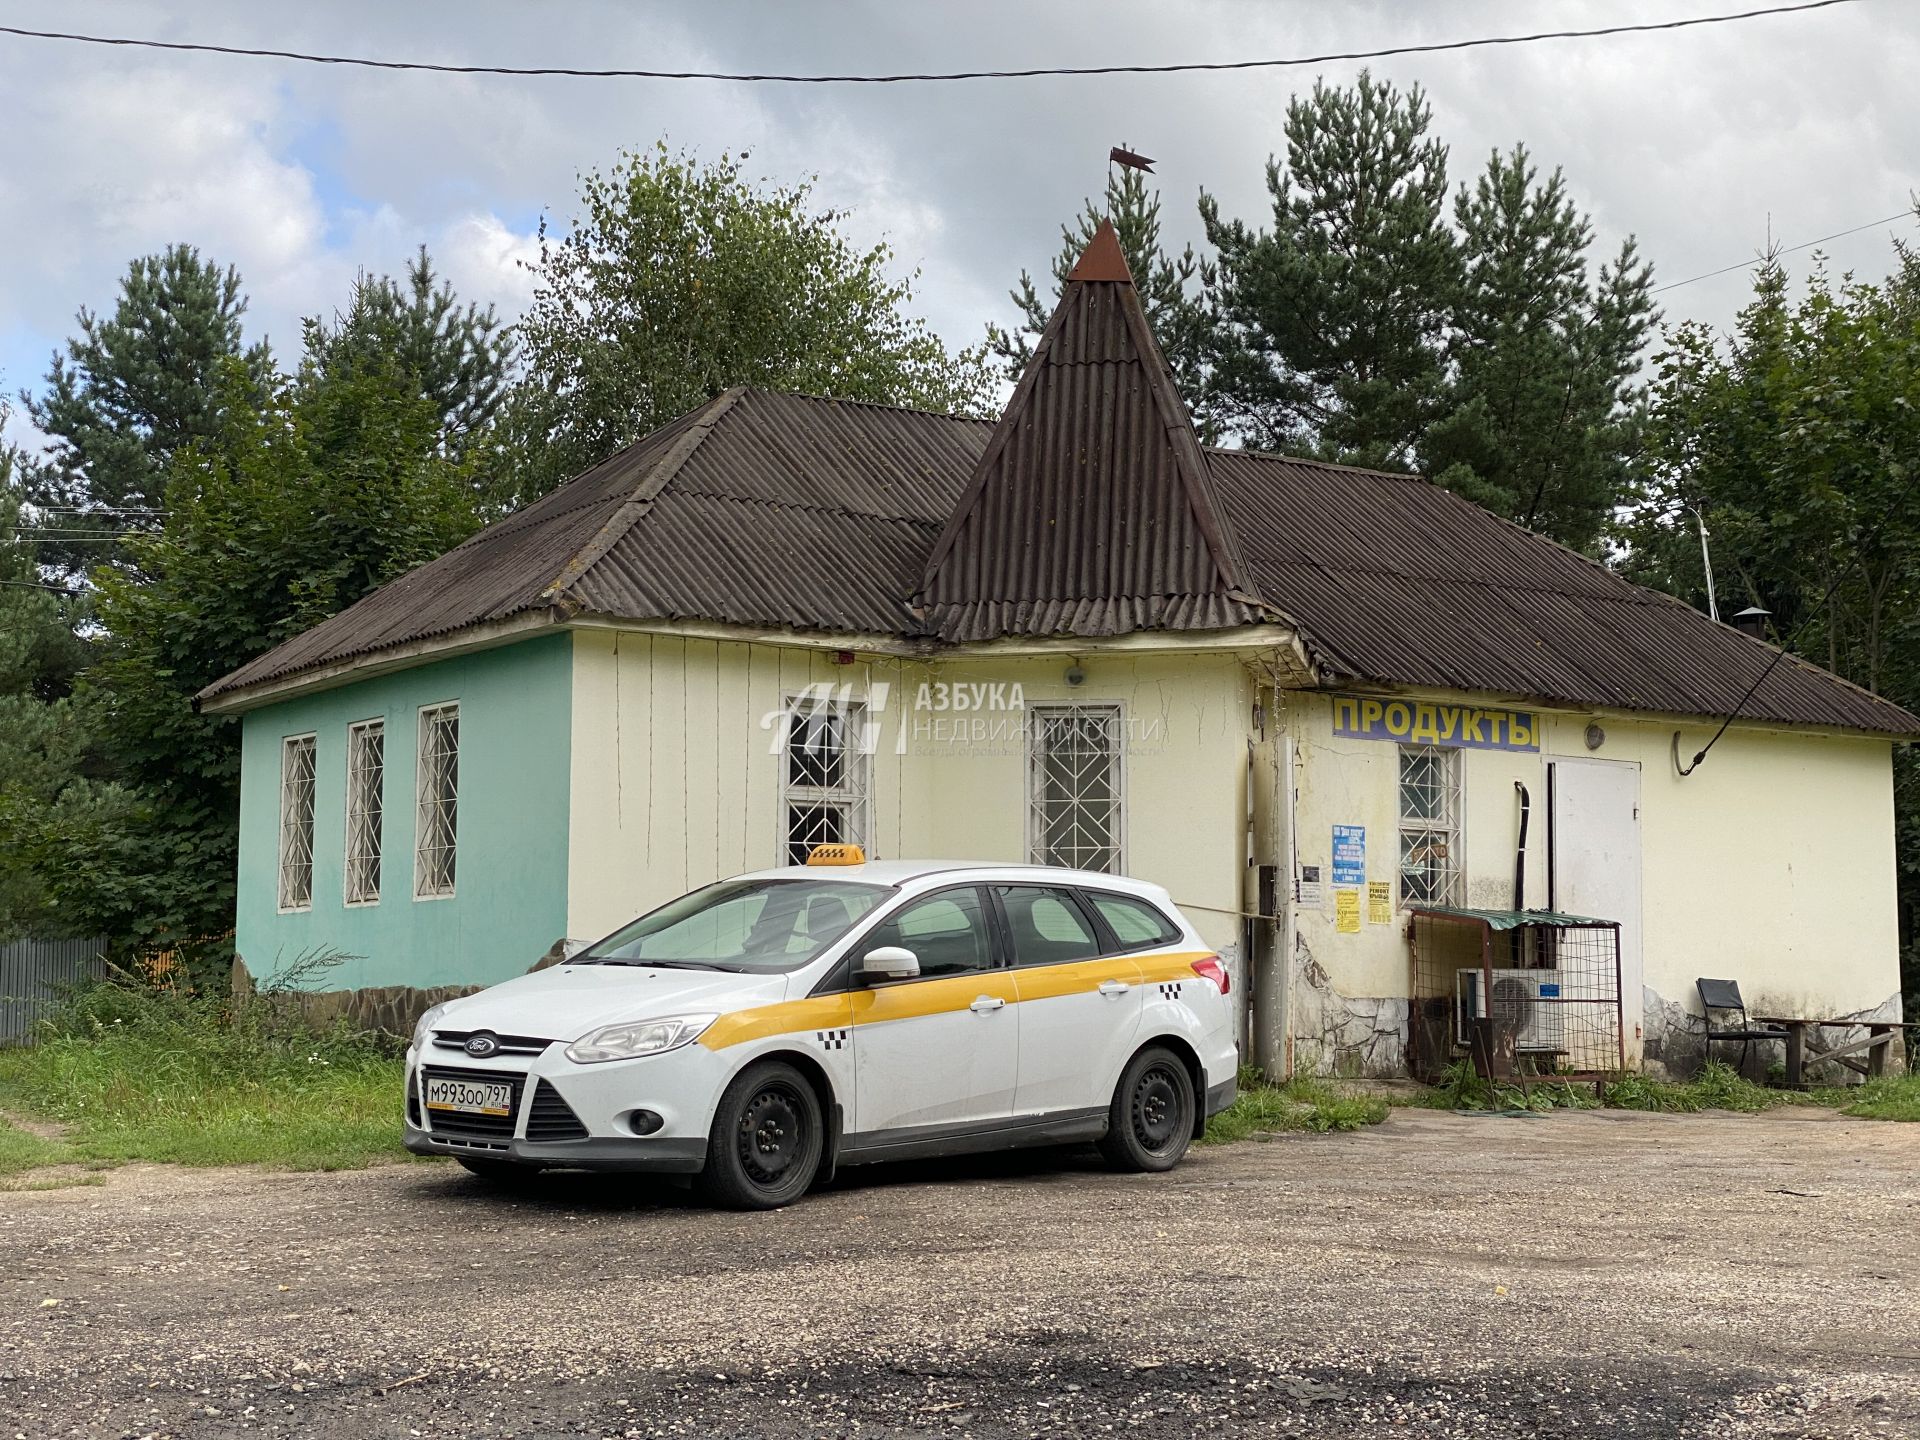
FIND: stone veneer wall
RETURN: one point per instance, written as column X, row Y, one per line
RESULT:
column 390, row 1009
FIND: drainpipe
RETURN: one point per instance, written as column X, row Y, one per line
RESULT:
column 1520, row 855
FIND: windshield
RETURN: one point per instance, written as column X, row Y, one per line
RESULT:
column 755, row 926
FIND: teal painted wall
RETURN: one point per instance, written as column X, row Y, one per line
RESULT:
column 510, row 890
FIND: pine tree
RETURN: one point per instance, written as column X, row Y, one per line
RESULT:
column 461, row 359
column 1544, row 405
column 130, row 393
column 1170, row 287
column 1332, row 324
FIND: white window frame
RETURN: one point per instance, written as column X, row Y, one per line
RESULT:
column 430, row 809
column 366, row 824
column 1040, row 806
column 851, row 797
column 1450, row 823
column 298, row 793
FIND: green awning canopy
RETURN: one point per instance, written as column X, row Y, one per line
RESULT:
column 1510, row 919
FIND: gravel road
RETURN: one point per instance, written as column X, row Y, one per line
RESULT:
column 1598, row 1274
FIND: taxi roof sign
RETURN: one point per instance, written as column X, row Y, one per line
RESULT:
column 836, row 855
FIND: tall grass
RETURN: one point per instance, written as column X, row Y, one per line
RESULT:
column 1307, row 1104
column 134, row 1073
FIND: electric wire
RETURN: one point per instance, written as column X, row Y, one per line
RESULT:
column 1038, row 72
column 1906, row 214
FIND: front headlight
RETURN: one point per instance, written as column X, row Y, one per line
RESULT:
column 423, row 1027
column 637, row 1038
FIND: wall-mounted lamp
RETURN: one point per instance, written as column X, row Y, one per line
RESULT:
column 1075, row 675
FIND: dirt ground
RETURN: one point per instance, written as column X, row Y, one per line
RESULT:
column 1598, row 1274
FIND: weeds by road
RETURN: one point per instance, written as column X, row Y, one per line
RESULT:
column 1718, row 1087
column 130, row 1073
column 1300, row 1104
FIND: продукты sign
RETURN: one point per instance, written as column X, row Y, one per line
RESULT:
column 1432, row 722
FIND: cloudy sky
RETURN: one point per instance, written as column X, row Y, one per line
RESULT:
column 1701, row 142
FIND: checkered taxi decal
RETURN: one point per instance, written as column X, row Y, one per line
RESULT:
column 1169, row 990
column 834, row 1039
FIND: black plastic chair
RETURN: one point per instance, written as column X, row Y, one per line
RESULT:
column 1725, row 995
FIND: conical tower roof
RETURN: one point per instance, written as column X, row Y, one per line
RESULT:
column 1092, row 508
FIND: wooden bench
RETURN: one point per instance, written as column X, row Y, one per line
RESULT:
column 1800, row 1032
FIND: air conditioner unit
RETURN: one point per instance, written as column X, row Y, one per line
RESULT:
column 1525, row 1002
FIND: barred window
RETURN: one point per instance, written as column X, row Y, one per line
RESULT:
column 1430, row 806
column 296, row 822
column 823, row 775
column 437, row 786
column 1073, row 786
column 366, row 773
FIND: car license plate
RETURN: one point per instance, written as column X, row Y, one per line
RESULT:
column 469, row 1097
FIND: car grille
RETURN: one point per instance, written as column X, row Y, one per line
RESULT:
column 551, row 1118
column 509, row 1044
column 485, row 1127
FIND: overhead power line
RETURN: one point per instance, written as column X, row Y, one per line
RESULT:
column 1187, row 67
column 1906, row 214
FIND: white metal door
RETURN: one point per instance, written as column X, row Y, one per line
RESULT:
column 1595, row 850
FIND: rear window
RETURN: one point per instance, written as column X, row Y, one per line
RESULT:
column 1135, row 924
column 1048, row 926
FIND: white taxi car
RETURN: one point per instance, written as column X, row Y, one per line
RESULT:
column 765, row 1030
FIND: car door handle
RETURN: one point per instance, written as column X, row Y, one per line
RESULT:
column 1114, row 987
column 987, row 1004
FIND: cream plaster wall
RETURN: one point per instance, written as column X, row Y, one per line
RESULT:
column 675, row 781
column 1773, row 864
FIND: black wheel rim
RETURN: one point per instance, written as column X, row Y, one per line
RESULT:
column 773, row 1134
column 1157, row 1117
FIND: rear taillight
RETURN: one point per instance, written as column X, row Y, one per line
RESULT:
column 1209, row 967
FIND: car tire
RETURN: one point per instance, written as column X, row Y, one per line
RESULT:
column 768, row 1138
column 1150, row 1123
column 498, row 1172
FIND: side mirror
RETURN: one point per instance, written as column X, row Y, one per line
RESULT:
column 889, row 962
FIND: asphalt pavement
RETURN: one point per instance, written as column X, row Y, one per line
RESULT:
column 1600, row 1274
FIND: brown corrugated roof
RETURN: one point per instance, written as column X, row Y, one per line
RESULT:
column 1089, row 510
column 1093, row 492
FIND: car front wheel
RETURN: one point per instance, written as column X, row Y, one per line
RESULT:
column 1150, row 1122
column 767, row 1140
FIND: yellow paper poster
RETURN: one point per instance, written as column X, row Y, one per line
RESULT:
column 1379, row 902
column 1346, row 910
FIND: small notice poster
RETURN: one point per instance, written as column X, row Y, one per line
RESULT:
column 1346, row 910
column 1311, row 895
column 1350, row 855
column 1379, row 902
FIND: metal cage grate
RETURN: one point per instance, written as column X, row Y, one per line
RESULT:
column 296, row 822
column 1074, row 786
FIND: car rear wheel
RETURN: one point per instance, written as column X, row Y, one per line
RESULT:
column 1150, row 1123
column 767, row 1140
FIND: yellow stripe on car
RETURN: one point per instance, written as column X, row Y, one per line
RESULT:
column 942, row 995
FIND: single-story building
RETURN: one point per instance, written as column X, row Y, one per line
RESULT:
column 1307, row 699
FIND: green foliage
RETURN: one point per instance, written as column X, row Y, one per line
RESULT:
column 680, row 279
column 460, row 358
column 1302, row 1103
column 1893, row 1097
column 132, row 391
column 1462, row 1088
column 1542, row 414
column 139, row 1074
column 297, row 507
column 1169, row 287
column 1333, row 337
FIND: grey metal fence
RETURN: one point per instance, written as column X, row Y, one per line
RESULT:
column 34, row 974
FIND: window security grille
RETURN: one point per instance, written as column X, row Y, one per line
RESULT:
column 1074, row 786
column 824, row 777
column 296, row 822
column 1430, row 809
column 438, row 789
column 366, row 771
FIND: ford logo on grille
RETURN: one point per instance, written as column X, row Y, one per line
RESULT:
column 482, row 1045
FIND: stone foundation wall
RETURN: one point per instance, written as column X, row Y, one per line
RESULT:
column 1335, row 1034
column 1675, row 1043
column 390, row 1009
